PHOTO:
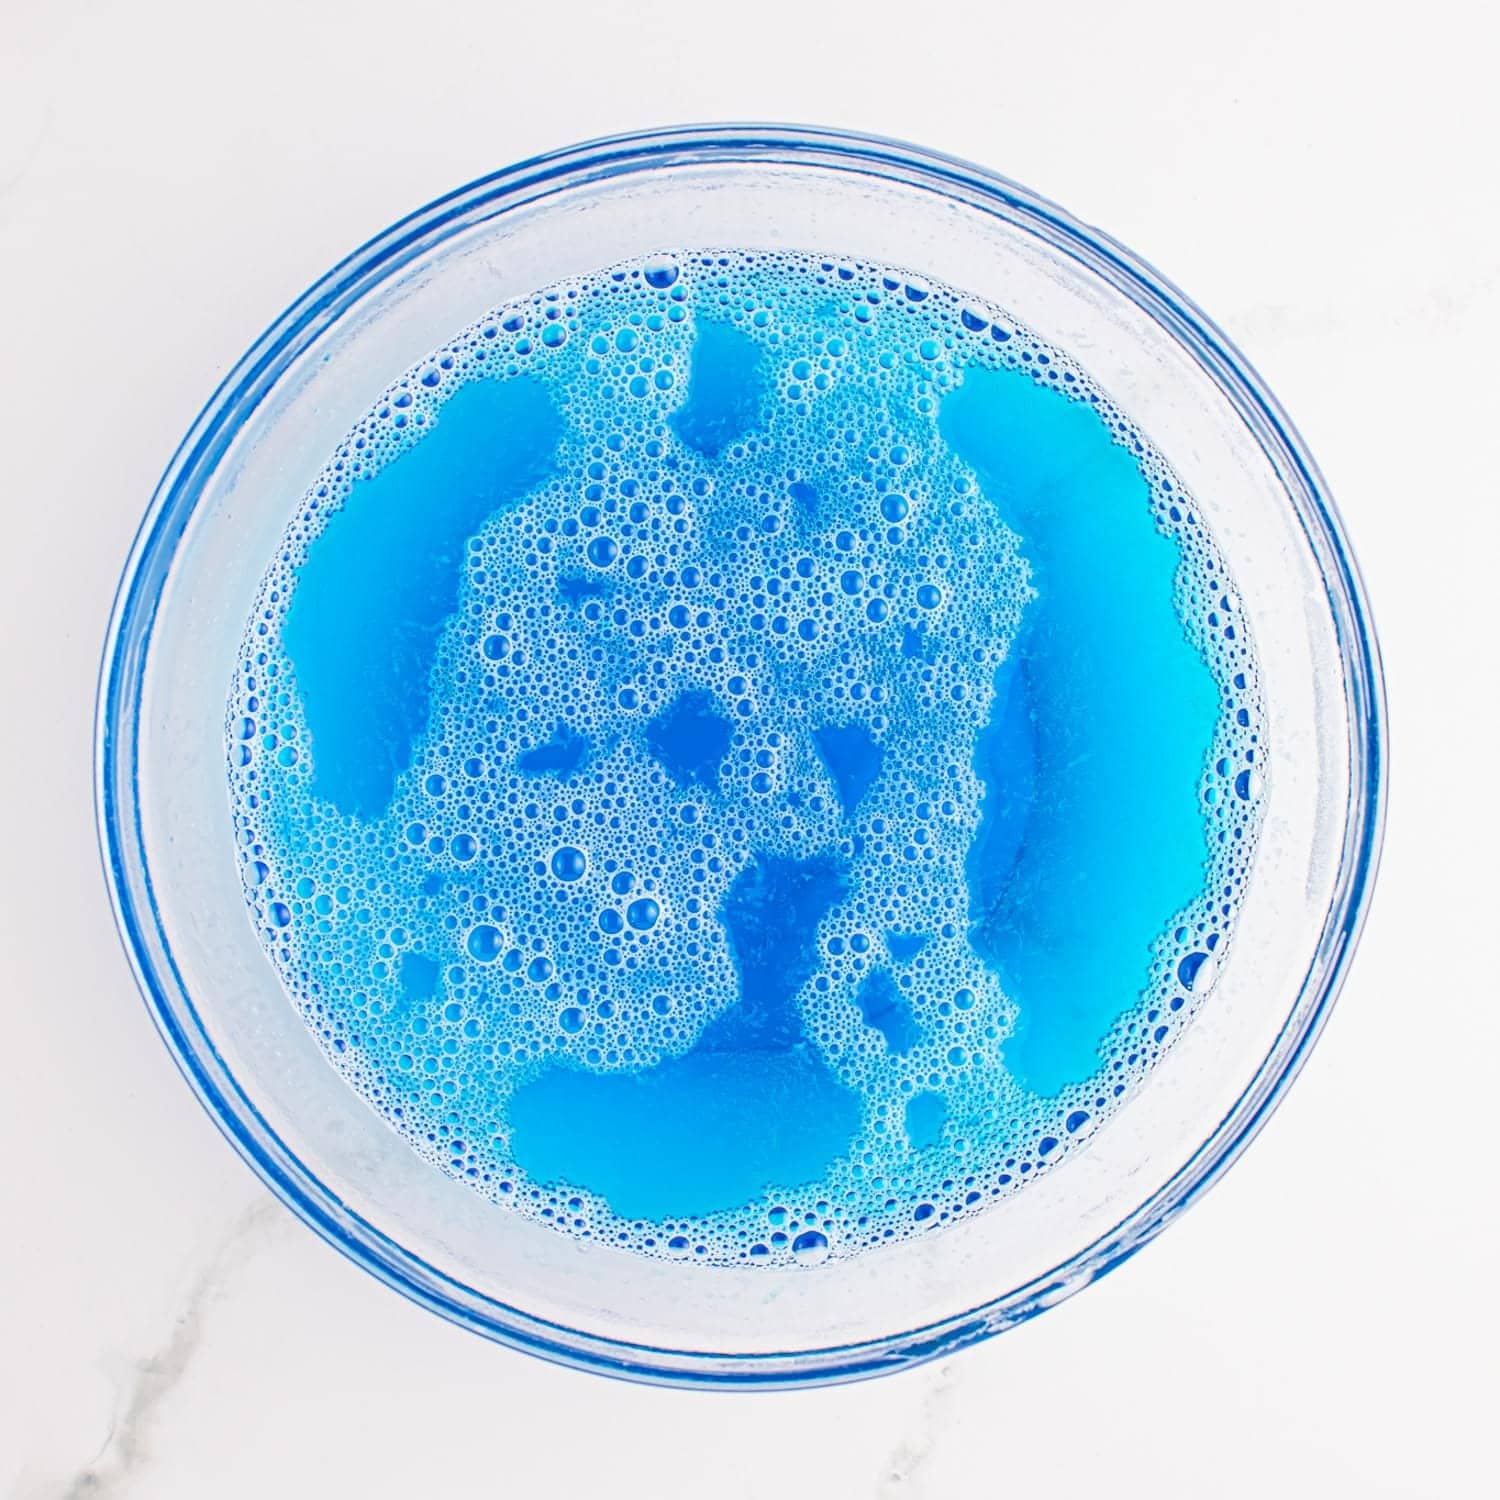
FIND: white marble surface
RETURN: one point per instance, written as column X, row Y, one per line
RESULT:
column 1318, row 176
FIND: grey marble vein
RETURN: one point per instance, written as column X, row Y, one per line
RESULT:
column 126, row 1449
column 903, row 1469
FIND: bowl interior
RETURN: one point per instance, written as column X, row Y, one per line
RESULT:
column 218, row 517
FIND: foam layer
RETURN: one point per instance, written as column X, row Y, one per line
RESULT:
column 747, row 757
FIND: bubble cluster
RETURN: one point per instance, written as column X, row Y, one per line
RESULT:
column 671, row 750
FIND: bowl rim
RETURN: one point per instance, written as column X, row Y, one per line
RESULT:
column 127, row 643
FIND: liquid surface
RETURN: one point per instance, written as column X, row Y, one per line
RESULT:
column 746, row 757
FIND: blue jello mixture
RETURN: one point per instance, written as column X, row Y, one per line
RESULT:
column 746, row 756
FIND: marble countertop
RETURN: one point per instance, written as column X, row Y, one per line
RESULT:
column 1324, row 1322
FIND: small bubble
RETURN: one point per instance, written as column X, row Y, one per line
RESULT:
column 660, row 272
column 1196, row 972
column 642, row 914
column 484, row 943
column 810, row 1247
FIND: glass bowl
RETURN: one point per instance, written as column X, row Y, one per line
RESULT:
column 216, row 519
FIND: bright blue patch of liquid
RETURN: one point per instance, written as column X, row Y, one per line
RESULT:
column 752, row 1103
column 561, row 755
column 924, row 1120
column 852, row 755
column 1093, row 825
column 370, row 599
column 691, row 739
column 884, row 1008
column 726, row 392
column 746, row 757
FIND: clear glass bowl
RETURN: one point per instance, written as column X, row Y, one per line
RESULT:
column 216, row 519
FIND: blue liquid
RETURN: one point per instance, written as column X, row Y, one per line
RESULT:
column 1093, row 828
column 748, row 757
